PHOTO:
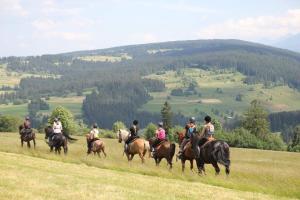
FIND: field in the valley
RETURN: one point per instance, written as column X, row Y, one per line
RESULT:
column 280, row 98
column 38, row 174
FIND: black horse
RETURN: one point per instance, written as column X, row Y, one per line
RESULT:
column 210, row 152
column 57, row 140
column 26, row 135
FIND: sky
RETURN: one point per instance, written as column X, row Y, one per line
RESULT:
column 35, row 27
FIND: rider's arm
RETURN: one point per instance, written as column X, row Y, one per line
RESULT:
column 203, row 131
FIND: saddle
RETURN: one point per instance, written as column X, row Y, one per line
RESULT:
column 188, row 144
column 159, row 144
column 208, row 141
column 133, row 139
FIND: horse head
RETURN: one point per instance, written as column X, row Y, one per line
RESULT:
column 48, row 132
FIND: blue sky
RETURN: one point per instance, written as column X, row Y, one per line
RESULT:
column 34, row 27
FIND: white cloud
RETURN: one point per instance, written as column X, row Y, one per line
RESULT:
column 12, row 7
column 51, row 7
column 44, row 24
column 70, row 36
column 142, row 38
column 255, row 28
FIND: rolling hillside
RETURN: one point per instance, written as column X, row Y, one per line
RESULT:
column 41, row 174
column 223, row 69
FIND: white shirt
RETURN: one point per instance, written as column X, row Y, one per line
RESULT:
column 57, row 127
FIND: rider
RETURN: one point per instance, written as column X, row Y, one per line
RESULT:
column 57, row 126
column 26, row 126
column 94, row 135
column 191, row 129
column 133, row 133
column 208, row 129
column 159, row 137
column 57, row 129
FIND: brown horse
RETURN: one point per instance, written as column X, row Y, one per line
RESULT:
column 187, row 153
column 138, row 146
column 165, row 150
column 26, row 137
column 98, row 146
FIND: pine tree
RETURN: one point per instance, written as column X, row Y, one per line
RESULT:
column 256, row 120
column 166, row 114
column 296, row 137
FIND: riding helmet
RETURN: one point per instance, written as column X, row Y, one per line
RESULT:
column 135, row 122
column 192, row 120
column 160, row 124
column 95, row 125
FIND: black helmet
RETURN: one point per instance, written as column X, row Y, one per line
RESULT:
column 192, row 120
column 135, row 122
column 55, row 119
column 95, row 125
column 160, row 124
column 207, row 119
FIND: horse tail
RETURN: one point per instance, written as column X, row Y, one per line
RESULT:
column 70, row 138
column 172, row 150
column 223, row 154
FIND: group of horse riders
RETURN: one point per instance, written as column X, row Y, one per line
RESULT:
column 160, row 134
column 57, row 127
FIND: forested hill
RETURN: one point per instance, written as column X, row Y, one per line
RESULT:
column 258, row 62
column 123, row 70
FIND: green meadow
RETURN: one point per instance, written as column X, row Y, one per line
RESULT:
column 275, row 99
column 255, row 174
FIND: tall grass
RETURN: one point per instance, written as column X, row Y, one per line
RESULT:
column 256, row 171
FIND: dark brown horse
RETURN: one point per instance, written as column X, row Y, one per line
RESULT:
column 210, row 152
column 165, row 150
column 26, row 137
column 57, row 140
column 98, row 146
column 187, row 153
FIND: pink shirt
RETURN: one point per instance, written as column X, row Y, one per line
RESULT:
column 161, row 134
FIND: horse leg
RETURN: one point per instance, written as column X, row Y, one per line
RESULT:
column 217, row 169
column 51, row 149
column 182, row 165
column 34, row 144
column 142, row 157
column 227, row 169
column 22, row 143
column 192, row 164
column 65, row 150
column 103, row 150
column 28, row 144
column 200, row 166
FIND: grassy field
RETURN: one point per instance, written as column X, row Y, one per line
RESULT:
column 255, row 174
column 105, row 58
column 12, row 79
column 72, row 103
column 280, row 98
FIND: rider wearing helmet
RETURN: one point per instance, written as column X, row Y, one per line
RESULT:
column 94, row 135
column 57, row 126
column 26, row 126
column 191, row 129
column 133, row 133
column 159, row 136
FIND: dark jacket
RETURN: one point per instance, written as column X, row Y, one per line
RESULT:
column 189, row 132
